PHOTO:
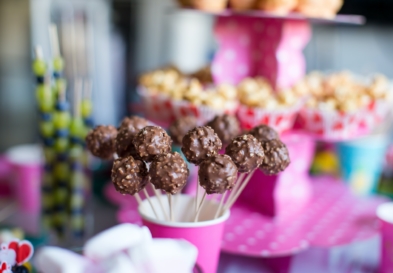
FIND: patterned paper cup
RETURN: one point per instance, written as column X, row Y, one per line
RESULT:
column 206, row 234
column 280, row 119
column 333, row 124
column 362, row 161
column 385, row 215
column 164, row 110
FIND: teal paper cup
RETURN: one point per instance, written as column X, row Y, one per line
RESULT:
column 361, row 162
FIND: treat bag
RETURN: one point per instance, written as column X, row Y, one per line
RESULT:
column 206, row 234
column 268, row 47
column 361, row 162
column 272, row 195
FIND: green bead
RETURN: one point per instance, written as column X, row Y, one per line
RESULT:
column 61, row 171
column 46, row 106
column 86, row 108
column 61, row 120
column 61, row 145
column 58, row 64
column 47, row 129
column 39, row 67
column 76, row 153
column 49, row 155
column 77, row 222
column 77, row 201
column 43, row 92
column 60, row 84
column 77, row 128
column 47, row 201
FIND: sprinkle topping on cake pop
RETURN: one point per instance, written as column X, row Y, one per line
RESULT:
column 246, row 152
column 180, row 127
column 200, row 143
column 276, row 157
column 168, row 172
column 152, row 141
column 128, row 175
column 226, row 126
column 101, row 141
column 217, row 174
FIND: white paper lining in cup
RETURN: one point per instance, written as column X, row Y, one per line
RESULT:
column 184, row 212
column 385, row 212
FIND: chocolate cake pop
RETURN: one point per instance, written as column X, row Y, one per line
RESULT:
column 152, row 141
column 168, row 172
column 263, row 133
column 128, row 175
column 200, row 143
column 101, row 141
column 226, row 126
column 276, row 157
column 180, row 127
column 217, row 174
column 130, row 126
column 246, row 152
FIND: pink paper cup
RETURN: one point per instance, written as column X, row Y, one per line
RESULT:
column 206, row 234
column 385, row 215
column 25, row 175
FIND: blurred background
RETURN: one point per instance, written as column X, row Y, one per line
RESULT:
column 128, row 37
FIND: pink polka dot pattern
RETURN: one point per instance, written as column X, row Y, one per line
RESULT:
column 336, row 217
column 269, row 47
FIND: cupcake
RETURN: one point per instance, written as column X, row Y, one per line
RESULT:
column 319, row 8
column 242, row 4
column 281, row 7
column 210, row 5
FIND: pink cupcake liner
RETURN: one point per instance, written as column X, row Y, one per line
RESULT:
column 334, row 124
column 280, row 119
column 166, row 110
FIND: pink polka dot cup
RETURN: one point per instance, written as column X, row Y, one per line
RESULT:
column 206, row 234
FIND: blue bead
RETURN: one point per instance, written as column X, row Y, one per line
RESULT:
column 56, row 74
column 76, row 166
column 62, row 106
column 62, row 184
column 47, row 189
column 89, row 122
column 40, row 80
column 48, row 142
column 62, row 157
column 62, row 133
column 48, row 168
column 46, row 116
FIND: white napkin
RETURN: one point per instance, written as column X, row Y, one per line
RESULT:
column 122, row 249
column 164, row 256
column 114, row 240
column 57, row 260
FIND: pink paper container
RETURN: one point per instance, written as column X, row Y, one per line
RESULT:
column 206, row 234
column 334, row 124
column 280, row 119
column 165, row 110
column 385, row 215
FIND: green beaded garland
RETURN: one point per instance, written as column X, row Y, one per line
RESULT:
column 61, row 171
column 39, row 67
column 77, row 128
column 49, row 155
column 61, row 120
column 61, row 145
column 86, row 108
column 47, row 129
column 58, row 64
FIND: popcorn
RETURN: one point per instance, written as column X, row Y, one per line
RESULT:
column 171, row 83
column 257, row 92
column 341, row 91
